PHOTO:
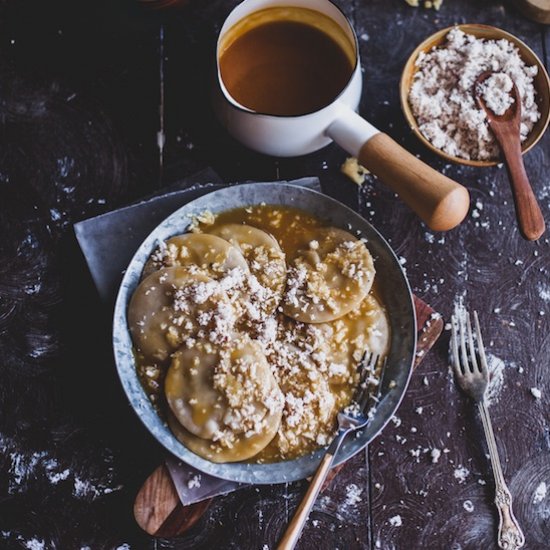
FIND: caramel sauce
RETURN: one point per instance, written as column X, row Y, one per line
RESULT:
column 285, row 68
column 293, row 229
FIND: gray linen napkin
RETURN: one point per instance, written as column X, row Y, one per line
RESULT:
column 107, row 258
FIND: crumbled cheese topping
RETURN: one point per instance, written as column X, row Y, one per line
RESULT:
column 312, row 281
column 496, row 93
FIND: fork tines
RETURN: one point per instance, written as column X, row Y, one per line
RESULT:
column 367, row 378
column 468, row 359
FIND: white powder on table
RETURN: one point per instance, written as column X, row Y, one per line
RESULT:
column 461, row 473
column 435, row 454
column 468, row 506
column 536, row 393
column 540, row 493
column 396, row 521
column 442, row 98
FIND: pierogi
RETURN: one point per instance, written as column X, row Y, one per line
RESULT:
column 226, row 396
column 265, row 259
column 209, row 253
column 173, row 306
column 249, row 330
column 328, row 278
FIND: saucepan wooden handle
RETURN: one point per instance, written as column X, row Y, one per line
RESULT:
column 441, row 202
column 438, row 200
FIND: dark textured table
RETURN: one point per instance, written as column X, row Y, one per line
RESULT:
column 84, row 89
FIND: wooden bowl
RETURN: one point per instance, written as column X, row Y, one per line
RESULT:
column 541, row 82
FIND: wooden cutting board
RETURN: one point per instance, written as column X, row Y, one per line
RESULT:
column 157, row 507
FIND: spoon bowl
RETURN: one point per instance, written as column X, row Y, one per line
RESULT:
column 512, row 114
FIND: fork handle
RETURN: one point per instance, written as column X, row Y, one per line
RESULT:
column 295, row 527
column 510, row 535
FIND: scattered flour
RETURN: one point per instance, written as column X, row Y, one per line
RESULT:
column 461, row 473
column 56, row 477
column 442, row 99
column 35, row 544
column 27, row 465
column 540, row 493
column 353, row 494
column 396, row 521
column 195, row 481
column 544, row 292
column 396, row 420
column 536, row 393
column 496, row 378
column 468, row 506
column 435, row 454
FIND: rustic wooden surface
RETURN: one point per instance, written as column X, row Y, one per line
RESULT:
column 80, row 90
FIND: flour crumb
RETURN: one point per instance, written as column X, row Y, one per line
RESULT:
column 540, row 493
column 353, row 494
column 396, row 521
column 56, row 477
column 435, row 455
column 495, row 366
column 468, row 506
column 536, row 393
column 396, row 420
column 419, row 410
column 195, row 481
column 461, row 473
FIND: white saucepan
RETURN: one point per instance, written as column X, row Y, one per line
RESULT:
column 439, row 201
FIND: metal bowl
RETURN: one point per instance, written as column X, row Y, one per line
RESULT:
column 393, row 285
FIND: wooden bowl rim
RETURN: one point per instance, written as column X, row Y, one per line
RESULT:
column 435, row 40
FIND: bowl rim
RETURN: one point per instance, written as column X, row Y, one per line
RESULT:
column 437, row 36
column 403, row 345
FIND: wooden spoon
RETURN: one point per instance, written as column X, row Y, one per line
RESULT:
column 506, row 130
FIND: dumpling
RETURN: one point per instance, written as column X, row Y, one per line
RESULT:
column 173, row 306
column 342, row 343
column 228, row 398
column 265, row 259
column 310, row 409
column 211, row 254
column 329, row 278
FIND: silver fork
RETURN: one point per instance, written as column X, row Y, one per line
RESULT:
column 347, row 422
column 472, row 374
